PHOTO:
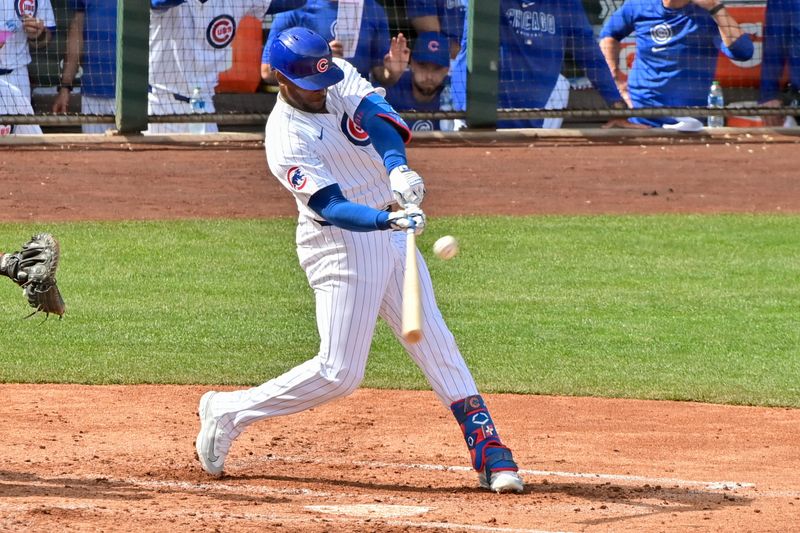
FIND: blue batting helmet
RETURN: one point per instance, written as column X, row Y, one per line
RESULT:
column 305, row 58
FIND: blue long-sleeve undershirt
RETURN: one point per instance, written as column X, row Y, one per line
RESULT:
column 388, row 134
column 330, row 204
column 386, row 130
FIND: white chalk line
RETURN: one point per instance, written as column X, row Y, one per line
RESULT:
column 272, row 518
column 708, row 485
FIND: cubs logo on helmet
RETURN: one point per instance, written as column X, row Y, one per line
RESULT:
column 354, row 133
column 221, row 31
column 297, row 180
column 26, row 7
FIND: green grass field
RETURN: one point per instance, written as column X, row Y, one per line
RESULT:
column 703, row 308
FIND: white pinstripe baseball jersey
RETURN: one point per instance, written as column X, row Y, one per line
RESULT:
column 190, row 44
column 356, row 276
column 15, row 52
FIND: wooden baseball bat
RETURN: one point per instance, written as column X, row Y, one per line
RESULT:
column 412, row 304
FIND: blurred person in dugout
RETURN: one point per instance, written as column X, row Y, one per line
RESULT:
column 533, row 39
column 439, row 16
column 781, row 52
column 92, row 45
column 22, row 25
column 190, row 46
column 357, row 30
column 677, row 46
column 425, row 86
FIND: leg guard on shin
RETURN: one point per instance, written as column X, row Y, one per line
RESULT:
column 487, row 452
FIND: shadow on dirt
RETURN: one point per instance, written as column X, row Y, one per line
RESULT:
column 643, row 500
column 25, row 485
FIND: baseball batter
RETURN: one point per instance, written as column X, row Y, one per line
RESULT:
column 23, row 23
column 190, row 45
column 331, row 140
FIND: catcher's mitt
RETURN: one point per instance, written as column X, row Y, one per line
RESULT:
column 34, row 268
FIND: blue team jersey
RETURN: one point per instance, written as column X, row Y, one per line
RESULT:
column 781, row 46
column 99, row 61
column 320, row 16
column 450, row 13
column 534, row 36
column 676, row 52
column 401, row 97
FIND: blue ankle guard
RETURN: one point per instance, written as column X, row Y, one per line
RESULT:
column 485, row 448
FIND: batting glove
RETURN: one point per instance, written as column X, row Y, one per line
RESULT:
column 407, row 186
column 410, row 217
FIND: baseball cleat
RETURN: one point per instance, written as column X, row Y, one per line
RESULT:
column 212, row 443
column 502, row 481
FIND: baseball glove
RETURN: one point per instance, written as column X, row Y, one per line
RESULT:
column 34, row 269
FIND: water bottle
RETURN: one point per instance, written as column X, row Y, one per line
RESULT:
column 446, row 104
column 716, row 101
column 794, row 104
column 199, row 107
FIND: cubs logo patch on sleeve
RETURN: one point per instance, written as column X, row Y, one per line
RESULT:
column 297, row 180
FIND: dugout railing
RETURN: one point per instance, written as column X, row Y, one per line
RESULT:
column 248, row 111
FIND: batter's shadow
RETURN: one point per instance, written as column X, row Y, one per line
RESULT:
column 655, row 499
column 29, row 485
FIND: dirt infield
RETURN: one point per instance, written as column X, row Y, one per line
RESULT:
column 122, row 458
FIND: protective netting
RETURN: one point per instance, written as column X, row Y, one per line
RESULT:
column 642, row 54
column 558, row 60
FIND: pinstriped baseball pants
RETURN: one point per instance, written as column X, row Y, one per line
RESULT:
column 356, row 277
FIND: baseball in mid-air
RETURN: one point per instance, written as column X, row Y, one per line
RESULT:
column 446, row 247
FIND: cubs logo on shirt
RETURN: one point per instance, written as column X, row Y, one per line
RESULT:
column 220, row 31
column 422, row 125
column 661, row 33
column 297, row 180
column 26, row 7
column 354, row 133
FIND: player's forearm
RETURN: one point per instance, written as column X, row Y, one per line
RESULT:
column 41, row 40
column 74, row 48
column 729, row 29
column 610, row 48
column 386, row 129
column 331, row 205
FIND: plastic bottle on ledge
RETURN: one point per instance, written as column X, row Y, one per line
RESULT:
column 198, row 107
column 716, row 100
column 794, row 106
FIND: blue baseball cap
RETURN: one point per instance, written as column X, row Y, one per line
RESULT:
column 305, row 58
column 432, row 47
